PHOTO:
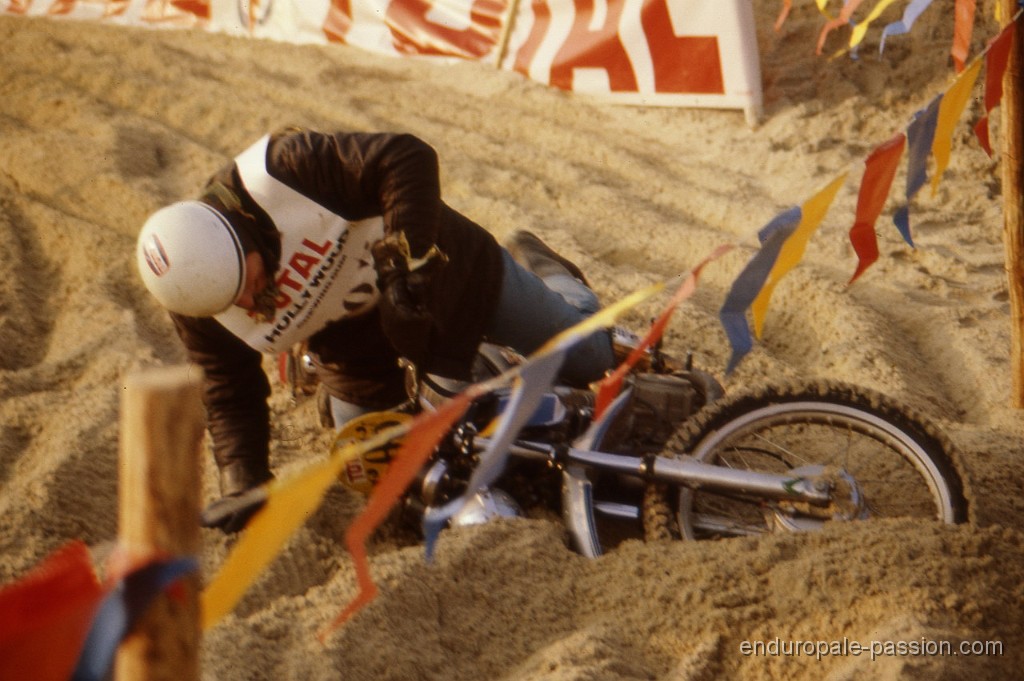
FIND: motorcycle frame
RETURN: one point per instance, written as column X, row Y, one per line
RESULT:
column 578, row 507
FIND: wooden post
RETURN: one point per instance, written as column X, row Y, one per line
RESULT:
column 1012, row 130
column 161, row 431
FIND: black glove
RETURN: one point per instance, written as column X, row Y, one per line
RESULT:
column 231, row 513
column 405, row 318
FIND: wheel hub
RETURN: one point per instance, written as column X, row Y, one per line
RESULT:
column 847, row 502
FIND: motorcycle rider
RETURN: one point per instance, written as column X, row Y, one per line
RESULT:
column 342, row 241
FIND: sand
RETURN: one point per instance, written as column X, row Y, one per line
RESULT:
column 100, row 125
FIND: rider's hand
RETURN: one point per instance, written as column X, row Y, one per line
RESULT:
column 405, row 317
column 232, row 513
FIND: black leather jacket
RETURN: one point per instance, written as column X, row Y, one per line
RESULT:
column 355, row 175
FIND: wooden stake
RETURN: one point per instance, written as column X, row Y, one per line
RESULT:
column 1012, row 130
column 161, row 431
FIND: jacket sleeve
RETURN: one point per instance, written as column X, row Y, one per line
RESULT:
column 235, row 392
column 361, row 175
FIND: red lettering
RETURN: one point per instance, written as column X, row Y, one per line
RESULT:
column 414, row 33
column 303, row 263
column 61, row 7
column 282, row 301
column 601, row 48
column 318, row 248
column 200, row 8
column 286, row 280
column 682, row 64
column 541, row 22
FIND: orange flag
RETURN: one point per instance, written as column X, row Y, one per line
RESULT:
column 963, row 26
column 879, row 171
column 426, row 431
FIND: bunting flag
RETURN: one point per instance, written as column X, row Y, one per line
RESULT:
column 535, row 378
column 842, row 20
column 910, row 14
column 920, row 134
column 532, row 384
column 879, row 172
column 997, row 55
column 950, row 109
column 541, row 366
column 289, row 503
column 963, row 27
column 45, row 616
column 787, row 5
column 861, row 29
column 812, row 213
column 426, row 432
column 750, row 281
column 608, row 388
column 121, row 609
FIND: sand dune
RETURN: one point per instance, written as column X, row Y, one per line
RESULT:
column 101, row 125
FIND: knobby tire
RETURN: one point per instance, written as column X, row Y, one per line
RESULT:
column 782, row 427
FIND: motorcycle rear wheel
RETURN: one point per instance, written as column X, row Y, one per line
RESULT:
column 899, row 461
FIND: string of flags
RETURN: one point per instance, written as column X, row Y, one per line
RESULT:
column 60, row 622
column 929, row 135
column 289, row 502
column 963, row 24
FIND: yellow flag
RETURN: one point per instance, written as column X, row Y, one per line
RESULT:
column 812, row 213
column 289, row 504
column 859, row 30
column 950, row 109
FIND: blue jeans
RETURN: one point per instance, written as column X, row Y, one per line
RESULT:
column 530, row 312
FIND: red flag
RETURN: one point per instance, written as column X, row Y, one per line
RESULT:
column 879, row 171
column 610, row 385
column 45, row 617
column 996, row 57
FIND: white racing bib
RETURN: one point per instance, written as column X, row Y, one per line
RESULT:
column 326, row 269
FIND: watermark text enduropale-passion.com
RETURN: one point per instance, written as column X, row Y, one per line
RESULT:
column 874, row 649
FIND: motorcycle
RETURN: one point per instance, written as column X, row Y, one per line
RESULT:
column 674, row 457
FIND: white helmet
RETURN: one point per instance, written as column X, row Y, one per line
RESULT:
column 191, row 259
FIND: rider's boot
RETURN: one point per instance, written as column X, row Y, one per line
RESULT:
column 536, row 256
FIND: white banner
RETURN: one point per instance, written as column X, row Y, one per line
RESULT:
column 699, row 53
